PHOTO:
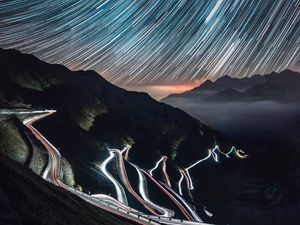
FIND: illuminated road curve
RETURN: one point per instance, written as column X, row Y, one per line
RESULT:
column 121, row 195
column 189, row 213
column 184, row 203
column 102, row 201
column 164, row 168
column 181, row 208
column 143, row 189
column 52, row 176
column 154, row 209
column 211, row 153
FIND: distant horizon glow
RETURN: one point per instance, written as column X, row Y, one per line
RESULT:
column 159, row 91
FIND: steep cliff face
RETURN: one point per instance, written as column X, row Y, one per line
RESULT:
column 20, row 145
column 12, row 143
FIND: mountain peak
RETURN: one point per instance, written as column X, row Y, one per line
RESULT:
column 225, row 78
column 205, row 84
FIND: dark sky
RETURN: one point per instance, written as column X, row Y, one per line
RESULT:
column 157, row 45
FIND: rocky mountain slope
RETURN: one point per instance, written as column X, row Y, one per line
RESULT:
column 93, row 114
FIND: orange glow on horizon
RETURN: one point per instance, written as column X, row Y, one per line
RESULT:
column 159, row 91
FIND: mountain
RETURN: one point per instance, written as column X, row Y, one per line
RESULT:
column 248, row 110
column 230, row 82
column 283, row 86
column 93, row 114
column 262, row 114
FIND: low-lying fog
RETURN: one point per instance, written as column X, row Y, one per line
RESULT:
column 251, row 123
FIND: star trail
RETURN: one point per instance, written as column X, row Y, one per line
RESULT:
column 150, row 42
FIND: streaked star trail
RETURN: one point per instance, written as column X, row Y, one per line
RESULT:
column 150, row 42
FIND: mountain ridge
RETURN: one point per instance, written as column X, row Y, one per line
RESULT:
column 212, row 91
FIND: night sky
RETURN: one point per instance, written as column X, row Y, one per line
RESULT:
column 160, row 46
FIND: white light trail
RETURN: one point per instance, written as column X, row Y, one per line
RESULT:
column 213, row 11
column 163, row 159
column 156, row 165
column 207, row 212
column 54, row 162
column 148, row 42
column 211, row 153
column 180, row 181
column 126, row 148
column 187, row 206
column 121, row 196
column 144, row 192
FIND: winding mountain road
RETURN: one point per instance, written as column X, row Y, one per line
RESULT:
column 52, row 175
column 118, row 207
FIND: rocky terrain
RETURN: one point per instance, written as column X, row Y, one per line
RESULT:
column 21, row 146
